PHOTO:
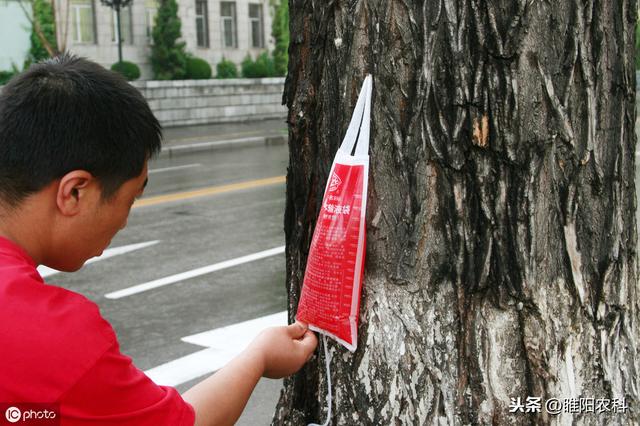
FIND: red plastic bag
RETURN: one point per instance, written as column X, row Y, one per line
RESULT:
column 330, row 299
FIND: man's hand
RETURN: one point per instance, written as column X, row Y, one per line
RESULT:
column 284, row 350
column 276, row 352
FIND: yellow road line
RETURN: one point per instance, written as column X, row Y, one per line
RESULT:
column 212, row 190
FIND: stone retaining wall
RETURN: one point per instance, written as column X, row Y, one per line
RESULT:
column 187, row 102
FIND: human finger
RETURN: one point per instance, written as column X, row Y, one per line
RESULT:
column 296, row 330
column 309, row 342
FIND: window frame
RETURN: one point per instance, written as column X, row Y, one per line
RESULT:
column 129, row 27
column 76, row 21
column 234, row 26
column 260, row 21
column 150, row 13
column 204, row 18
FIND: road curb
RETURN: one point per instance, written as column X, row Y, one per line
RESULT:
column 175, row 150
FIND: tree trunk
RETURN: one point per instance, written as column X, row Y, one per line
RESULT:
column 501, row 257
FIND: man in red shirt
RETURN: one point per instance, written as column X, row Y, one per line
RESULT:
column 74, row 144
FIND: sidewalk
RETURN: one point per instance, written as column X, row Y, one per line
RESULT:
column 190, row 139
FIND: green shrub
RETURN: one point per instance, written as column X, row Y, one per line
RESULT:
column 198, row 69
column 129, row 70
column 5, row 76
column 263, row 66
column 266, row 66
column 226, row 69
column 248, row 67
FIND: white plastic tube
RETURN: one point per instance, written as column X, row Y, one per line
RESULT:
column 329, row 396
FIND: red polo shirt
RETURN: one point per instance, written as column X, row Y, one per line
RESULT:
column 55, row 347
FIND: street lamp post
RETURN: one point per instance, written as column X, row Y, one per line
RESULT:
column 117, row 5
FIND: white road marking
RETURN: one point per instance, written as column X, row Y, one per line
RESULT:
column 166, row 169
column 193, row 273
column 194, row 146
column 222, row 344
column 110, row 252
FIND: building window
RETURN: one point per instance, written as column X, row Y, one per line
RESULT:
column 151, row 10
column 202, row 23
column 82, row 23
column 255, row 20
column 228, row 16
column 125, row 26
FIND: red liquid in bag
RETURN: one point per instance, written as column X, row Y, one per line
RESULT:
column 330, row 299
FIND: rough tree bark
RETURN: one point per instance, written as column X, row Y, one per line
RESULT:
column 501, row 258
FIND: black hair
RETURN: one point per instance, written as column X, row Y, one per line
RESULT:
column 68, row 113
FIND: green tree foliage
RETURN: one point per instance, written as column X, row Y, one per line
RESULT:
column 280, row 33
column 5, row 76
column 168, row 56
column 226, row 69
column 129, row 70
column 43, row 18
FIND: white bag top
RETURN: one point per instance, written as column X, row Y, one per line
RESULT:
column 360, row 120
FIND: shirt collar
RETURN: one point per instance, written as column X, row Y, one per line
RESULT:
column 14, row 250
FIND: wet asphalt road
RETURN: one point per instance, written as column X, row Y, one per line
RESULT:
column 194, row 232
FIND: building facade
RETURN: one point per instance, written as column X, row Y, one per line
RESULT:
column 211, row 29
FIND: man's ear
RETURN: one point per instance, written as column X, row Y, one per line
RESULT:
column 73, row 189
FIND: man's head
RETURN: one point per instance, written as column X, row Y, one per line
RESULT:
column 66, row 114
column 74, row 143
